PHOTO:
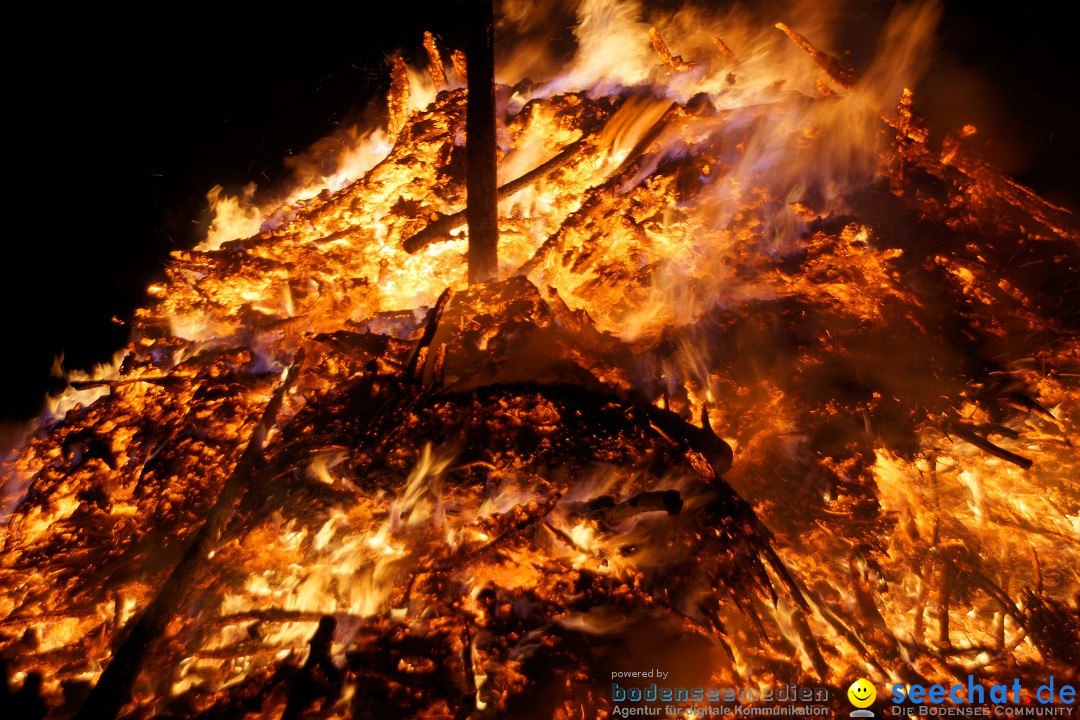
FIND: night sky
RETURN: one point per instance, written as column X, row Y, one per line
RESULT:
column 117, row 137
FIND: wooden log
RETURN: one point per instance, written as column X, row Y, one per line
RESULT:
column 482, row 208
column 457, row 58
column 113, row 688
column 725, row 50
column 441, row 228
column 673, row 62
column 415, row 368
column 967, row 434
column 435, row 63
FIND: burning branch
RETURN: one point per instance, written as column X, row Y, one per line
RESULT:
column 968, row 434
column 397, row 100
column 673, row 62
column 725, row 50
column 443, row 225
column 415, row 368
column 435, row 63
column 457, row 58
column 113, row 689
column 841, row 73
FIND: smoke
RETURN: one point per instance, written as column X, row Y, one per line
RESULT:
column 789, row 155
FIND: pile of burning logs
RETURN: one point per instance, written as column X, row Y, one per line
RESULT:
column 331, row 478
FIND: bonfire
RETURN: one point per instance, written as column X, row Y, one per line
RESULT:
column 761, row 384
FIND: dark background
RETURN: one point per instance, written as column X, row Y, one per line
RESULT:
column 115, row 136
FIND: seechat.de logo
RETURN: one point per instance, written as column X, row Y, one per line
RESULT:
column 862, row 695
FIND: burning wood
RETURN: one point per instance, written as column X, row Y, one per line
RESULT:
column 838, row 72
column 397, row 101
column 776, row 383
column 435, row 63
column 440, row 228
column 457, row 58
column 113, row 688
column 674, row 62
column 725, row 50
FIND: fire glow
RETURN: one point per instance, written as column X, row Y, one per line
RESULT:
column 771, row 375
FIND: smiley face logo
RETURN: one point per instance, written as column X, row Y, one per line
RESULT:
column 861, row 694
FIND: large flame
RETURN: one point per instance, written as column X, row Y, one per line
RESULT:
column 874, row 326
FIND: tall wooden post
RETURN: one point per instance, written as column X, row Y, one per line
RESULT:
column 482, row 211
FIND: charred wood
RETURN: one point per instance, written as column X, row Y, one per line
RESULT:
column 319, row 678
column 113, row 688
column 435, row 63
column 840, row 72
column 482, row 209
column 969, row 434
column 397, row 101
